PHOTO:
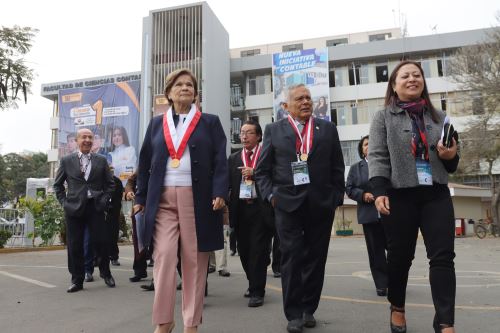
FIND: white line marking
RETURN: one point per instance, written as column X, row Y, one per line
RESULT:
column 25, row 279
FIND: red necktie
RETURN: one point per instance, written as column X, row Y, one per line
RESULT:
column 249, row 156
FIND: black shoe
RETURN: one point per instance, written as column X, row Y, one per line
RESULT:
column 255, row 301
column 277, row 274
column 247, row 293
column 138, row 277
column 295, row 326
column 224, row 273
column 211, row 269
column 115, row 262
column 233, row 253
column 395, row 328
column 148, row 287
column 109, row 281
column 309, row 320
column 74, row 288
column 151, row 263
column 382, row 291
column 179, row 285
column 88, row 277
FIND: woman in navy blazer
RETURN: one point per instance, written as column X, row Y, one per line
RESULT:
column 358, row 190
column 181, row 193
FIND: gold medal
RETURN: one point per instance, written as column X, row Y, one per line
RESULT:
column 175, row 163
column 248, row 182
column 303, row 157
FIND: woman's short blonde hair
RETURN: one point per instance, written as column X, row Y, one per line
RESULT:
column 173, row 76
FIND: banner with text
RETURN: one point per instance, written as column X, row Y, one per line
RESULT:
column 111, row 112
column 309, row 67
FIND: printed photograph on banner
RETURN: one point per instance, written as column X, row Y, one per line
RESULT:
column 309, row 67
column 111, row 112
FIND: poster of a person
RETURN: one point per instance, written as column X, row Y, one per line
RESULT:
column 122, row 155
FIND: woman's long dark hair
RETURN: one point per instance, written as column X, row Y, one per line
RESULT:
column 391, row 97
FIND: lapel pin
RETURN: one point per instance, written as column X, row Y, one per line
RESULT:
column 317, row 127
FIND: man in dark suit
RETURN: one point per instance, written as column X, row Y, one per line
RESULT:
column 301, row 172
column 89, row 188
column 250, row 216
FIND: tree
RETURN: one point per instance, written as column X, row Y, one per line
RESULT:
column 15, row 76
column 16, row 168
column 477, row 69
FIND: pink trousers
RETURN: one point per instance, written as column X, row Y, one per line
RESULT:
column 175, row 226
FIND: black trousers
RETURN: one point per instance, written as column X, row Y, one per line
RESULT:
column 253, row 238
column 232, row 241
column 376, row 244
column 276, row 254
column 430, row 209
column 113, row 230
column 140, row 264
column 75, row 228
column 304, row 239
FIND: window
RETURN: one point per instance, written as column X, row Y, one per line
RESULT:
column 354, row 78
column 335, row 42
column 331, row 78
column 377, row 37
column 339, row 110
column 363, row 74
column 292, row 47
column 382, row 72
column 350, row 151
column 354, row 113
column 440, row 67
column 426, row 67
column 443, row 102
column 477, row 103
column 249, row 53
column 444, row 66
column 259, row 84
column 339, row 76
column 236, row 96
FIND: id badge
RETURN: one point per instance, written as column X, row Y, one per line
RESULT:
column 424, row 172
column 245, row 191
column 300, row 173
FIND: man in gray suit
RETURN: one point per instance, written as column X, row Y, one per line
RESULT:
column 89, row 188
column 301, row 172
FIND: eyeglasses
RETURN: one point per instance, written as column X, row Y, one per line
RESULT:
column 243, row 133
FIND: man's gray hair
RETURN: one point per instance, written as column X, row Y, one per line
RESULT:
column 292, row 88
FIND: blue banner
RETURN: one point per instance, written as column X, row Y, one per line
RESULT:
column 309, row 67
column 111, row 112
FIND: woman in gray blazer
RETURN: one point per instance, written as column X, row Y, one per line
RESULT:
column 358, row 190
column 408, row 169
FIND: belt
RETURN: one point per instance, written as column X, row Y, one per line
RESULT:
column 248, row 201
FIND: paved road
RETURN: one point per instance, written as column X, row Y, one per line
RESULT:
column 33, row 295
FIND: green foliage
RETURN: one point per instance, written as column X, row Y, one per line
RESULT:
column 4, row 236
column 15, row 168
column 15, row 75
column 48, row 217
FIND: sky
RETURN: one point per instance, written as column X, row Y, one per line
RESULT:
column 83, row 39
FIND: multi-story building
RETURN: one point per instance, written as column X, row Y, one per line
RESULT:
column 237, row 83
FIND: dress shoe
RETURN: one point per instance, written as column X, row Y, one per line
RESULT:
column 151, row 263
column 109, row 281
column 224, row 273
column 255, row 301
column 88, row 277
column 277, row 274
column 74, row 288
column 138, row 277
column 396, row 328
column 295, row 326
column 247, row 293
column 309, row 320
column 148, row 287
column 233, row 253
column 211, row 269
column 382, row 291
column 115, row 262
